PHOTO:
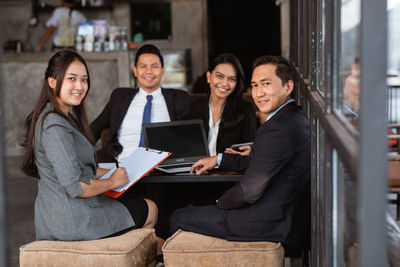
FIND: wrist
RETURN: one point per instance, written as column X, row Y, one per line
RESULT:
column 113, row 184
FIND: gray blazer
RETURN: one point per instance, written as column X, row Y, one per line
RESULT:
column 64, row 158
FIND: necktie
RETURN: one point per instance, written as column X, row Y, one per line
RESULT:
column 146, row 116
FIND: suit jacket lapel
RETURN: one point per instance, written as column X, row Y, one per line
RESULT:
column 283, row 110
column 206, row 108
column 169, row 100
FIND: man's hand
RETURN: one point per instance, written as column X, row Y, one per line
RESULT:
column 204, row 165
column 244, row 150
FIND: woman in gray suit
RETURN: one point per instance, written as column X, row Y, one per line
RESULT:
column 59, row 151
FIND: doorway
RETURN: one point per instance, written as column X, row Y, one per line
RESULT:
column 247, row 29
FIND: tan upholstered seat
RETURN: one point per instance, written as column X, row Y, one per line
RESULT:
column 135, row 248
column 191, row 249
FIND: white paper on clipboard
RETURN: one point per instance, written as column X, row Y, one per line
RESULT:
column 137, row 164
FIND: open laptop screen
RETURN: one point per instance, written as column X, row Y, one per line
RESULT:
column 185, row 139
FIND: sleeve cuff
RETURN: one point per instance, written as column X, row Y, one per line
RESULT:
column 219, row 158
column 86, row 180
column 74, row 190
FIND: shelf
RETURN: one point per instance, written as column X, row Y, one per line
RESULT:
column 49, row 8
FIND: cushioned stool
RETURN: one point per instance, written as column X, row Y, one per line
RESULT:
column 191, row 249
column 135, row 248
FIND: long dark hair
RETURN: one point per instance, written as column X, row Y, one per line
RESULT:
column 232, row 114
column 56, row 69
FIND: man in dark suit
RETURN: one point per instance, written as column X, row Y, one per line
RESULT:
column 261, row 206
column 125, row 110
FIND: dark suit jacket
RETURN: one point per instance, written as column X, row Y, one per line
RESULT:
column 178, row 105
column 242, row 133
column 261, row 204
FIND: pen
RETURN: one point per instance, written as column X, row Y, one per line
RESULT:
column 116, row 163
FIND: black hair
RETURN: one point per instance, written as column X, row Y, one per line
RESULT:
column 232, row 114
column 70, row 3
column 284, row 70
column 57, row 66
column 149, row 49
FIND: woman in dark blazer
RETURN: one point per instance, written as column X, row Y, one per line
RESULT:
column 227, row 118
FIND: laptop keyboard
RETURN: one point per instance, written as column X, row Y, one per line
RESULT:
column 183, row 165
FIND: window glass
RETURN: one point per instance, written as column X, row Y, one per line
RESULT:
column 349, row 61
column 393, row 7
column 345, row 225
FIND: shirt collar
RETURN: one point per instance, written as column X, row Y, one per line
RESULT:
column 276, row 110
column 155, row 93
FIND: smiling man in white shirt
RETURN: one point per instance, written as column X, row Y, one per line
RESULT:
column 128, row 108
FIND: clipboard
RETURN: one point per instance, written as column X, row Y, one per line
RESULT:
column 139, row 163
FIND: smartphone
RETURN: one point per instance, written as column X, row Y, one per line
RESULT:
column 236, row 146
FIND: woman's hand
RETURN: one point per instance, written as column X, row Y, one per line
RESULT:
column 97, row 187
column 100, row 172
column 244, row 151
column 119, row 177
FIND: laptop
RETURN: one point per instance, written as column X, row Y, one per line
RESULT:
column 186, row 140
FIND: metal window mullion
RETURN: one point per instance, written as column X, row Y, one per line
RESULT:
column 3, row 212
column 315, row 174
column 336, row 210
column 299, row 34
column 293, row 32
column 328, row 204
column 331, row 55
column 373, row 172
column 336, row 54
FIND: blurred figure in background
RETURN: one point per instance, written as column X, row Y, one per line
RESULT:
column 351, row 90
column 65, row 21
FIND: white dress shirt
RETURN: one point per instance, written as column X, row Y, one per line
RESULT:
column 212, row 133
column 131, row 126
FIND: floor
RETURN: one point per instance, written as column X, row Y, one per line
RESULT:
column 21, row 194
